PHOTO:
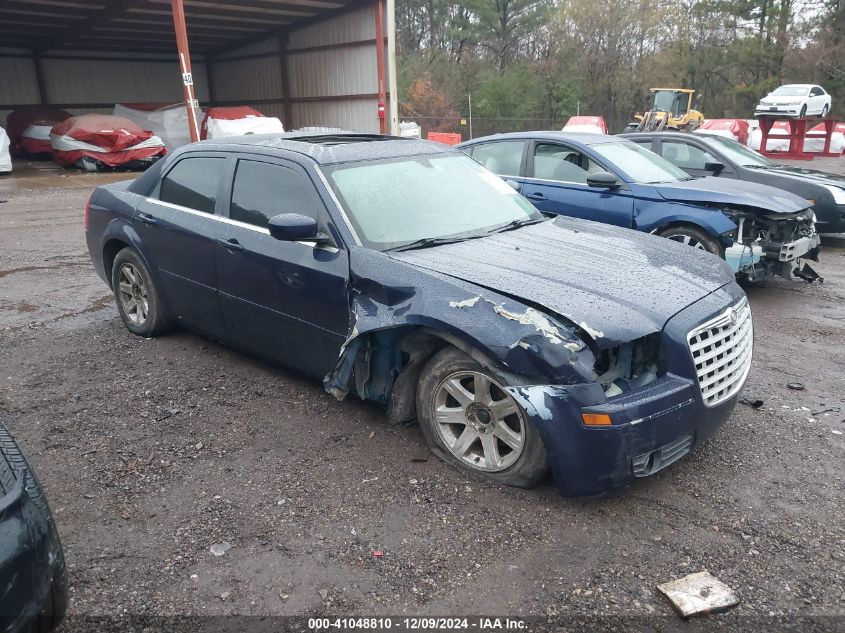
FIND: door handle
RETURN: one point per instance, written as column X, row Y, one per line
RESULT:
column 536, row 196
column 231, row 244
column 147, row 219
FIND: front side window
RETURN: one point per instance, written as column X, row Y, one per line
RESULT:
column 503, row 157
column 562, row 164
column 262, row 190
column 193, row 183
column 396, row 202
column 641, row 165
column 685, row 156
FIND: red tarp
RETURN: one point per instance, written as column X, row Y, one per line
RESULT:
column 111, row 140
column 226, row 114
column 583, row 122
column 738, row 128
column 19, row 120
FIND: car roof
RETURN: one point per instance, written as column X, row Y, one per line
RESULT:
column 662, row 134
column 796, row 86
column 585, row 138
column 323, row 148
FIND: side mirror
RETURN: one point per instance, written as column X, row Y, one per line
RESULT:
column 604, row 180
column 294, row 227
column 714, row 166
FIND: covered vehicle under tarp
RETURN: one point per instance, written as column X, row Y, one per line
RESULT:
column 236, row 121
column 97, row 141
column 5, row 156
column 29, row 130
column 591, row 124
column 168, row 122
column 736, row 129
column 815, row 143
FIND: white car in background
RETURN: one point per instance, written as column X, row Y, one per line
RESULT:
column 795, row 100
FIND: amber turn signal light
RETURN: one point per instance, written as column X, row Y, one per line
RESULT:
column 596, row 419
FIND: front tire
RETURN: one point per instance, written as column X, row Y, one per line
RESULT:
column 695, row 237
column 470, row 421
column 803, row 112
column 138, row 300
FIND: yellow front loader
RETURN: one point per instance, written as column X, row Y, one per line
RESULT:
column 669, row 109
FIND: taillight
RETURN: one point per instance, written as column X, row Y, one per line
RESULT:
column 88, row 210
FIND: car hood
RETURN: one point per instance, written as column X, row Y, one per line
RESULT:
column 772, row 100
column 813, row 175
column 733, row 192
column 616, row 284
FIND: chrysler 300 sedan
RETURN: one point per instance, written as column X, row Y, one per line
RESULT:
column 404, row 272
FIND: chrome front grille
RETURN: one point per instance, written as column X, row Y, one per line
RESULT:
column 721, row 351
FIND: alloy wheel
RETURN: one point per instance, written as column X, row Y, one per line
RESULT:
column 688, row 240
column 133, row 294
column 478, row 421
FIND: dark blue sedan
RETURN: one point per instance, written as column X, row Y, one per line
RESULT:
column 404, row 272
column 761, row 231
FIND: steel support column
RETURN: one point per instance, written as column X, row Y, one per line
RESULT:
column 382, row 115
column 178, row 10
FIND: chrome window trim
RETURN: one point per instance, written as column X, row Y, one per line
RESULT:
column 238, row 223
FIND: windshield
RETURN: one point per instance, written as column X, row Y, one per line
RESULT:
column 396, row 202
column 670, row 101
column 790, row 91
column 641, row 165
column 737, row 152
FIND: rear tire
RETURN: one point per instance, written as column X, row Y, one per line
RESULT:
column 825, row 110
column 469, row 421
column 138, row 300
column 695, row 237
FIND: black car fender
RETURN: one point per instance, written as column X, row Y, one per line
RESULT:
column 401, row 315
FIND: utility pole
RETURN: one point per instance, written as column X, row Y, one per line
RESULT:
column 469, row 98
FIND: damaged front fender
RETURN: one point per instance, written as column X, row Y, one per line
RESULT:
column 392, row 300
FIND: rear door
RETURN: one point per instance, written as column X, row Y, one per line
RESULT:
column 557, row 183
column 286, row 301
column 176, row 225
column 817, row 100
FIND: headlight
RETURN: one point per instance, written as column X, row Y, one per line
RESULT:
column 838, row 193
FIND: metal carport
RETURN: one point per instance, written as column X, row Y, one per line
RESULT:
column 308, row 62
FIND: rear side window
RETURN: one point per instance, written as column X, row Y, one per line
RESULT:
column 263, row 190
column 503, row 158
column 193, row 183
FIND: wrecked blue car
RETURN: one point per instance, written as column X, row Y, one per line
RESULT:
column 406, row 274
column 759, row 230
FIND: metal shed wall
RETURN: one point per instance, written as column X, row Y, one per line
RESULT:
column 331, row 68
column 85, row 82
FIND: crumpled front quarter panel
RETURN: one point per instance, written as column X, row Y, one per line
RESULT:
column 390, row 295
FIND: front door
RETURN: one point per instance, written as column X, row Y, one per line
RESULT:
column 557, row 183
column 176, row 225
column 287, row 301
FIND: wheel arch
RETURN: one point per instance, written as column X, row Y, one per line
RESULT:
column 388, row 364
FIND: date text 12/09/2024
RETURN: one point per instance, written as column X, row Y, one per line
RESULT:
column 418, row 624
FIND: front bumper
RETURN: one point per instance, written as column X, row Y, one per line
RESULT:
column 780, row 110
column 652, row 427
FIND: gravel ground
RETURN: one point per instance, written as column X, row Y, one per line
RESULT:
column 153, row 451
